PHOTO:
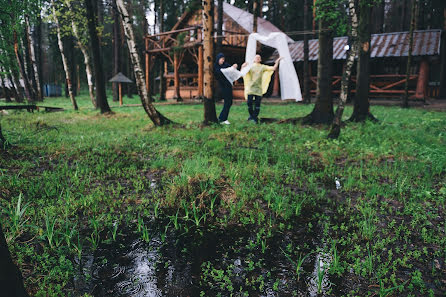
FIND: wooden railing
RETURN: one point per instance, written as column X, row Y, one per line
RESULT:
column 385, row 85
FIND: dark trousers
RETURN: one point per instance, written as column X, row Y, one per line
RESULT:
column 226, row 93
column 254, row 107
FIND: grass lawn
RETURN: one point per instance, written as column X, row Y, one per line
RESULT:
column 239, row 210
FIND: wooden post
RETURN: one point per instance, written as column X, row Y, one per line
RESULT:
column 423, row 79
column 200, row 72
column 176, row 77
column 276, row 84
column 120, row 94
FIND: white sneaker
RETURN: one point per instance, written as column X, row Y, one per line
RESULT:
column 225, row 123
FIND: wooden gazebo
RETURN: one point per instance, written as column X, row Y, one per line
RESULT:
column 182, row 49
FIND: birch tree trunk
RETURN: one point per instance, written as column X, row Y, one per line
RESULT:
column 116, row 51
column 28, row 91
column 66, row 66
column 39, row 53
column 4, row 88
column 336, row 126
column 87, row 59
column 32, row 59
column 405, row 102
column 157, row 118
column 210, row 116
column 16, row 83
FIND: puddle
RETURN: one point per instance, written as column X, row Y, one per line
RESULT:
column 210, row 262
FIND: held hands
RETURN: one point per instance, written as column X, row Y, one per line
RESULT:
column 244, row 65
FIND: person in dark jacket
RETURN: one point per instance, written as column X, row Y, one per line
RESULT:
column 225, row 87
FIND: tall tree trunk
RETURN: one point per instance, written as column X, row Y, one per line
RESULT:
column 219, row 26
column 405, row 102
column 32, row 66
column 101, row 96
column 38, row 50
column 16, row 82
column 210, row 115
column 378, row 17
column 28, row 47
column 87, row 58
column 403, row 15
column 116, row 51
column 5, row 88
column 443, row 59
column 72, row 60
column 336, row 126
column 128, row 54
column 307, row 94
column 323, row 109
column 65, row 63
column 157, row 118
column 12, row 280
column 361, row 106
column 28, row 91
column 162, row 85
column 255, row 14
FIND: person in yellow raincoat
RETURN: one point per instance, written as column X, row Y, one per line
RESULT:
column 256, row 84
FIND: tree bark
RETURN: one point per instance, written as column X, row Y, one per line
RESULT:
column 38, row 50
column 307, row 98
column 336, row 126
column 255, row 14
column 378, row 15
column 162, row 85
column 210, row 116
column 157, row 118
column 33, row 71
column 405, row 102
column 72, row 60
column 361, row 106
column 17, row 86
column 116, row 51
column 28, row 91
column 443, row 59
column 219, row 26
column 101, row 96
column 5, row 89
column 11, row 280
column 323, row 109
column 87, row 58
column 65, row 63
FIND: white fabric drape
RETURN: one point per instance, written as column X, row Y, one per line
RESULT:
column 289, row 82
